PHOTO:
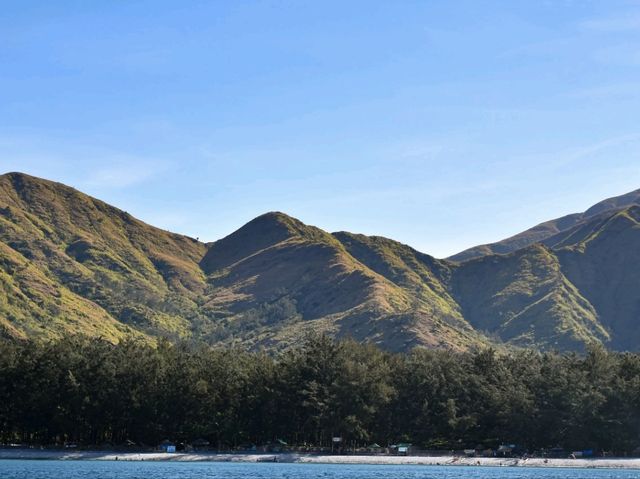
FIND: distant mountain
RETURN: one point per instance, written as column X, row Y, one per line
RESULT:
column 72, row 264
column 548, row 229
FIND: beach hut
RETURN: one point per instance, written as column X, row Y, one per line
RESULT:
column 278, row 446
column 375, row 448
column 401, row 449
column 504, row 450
column 167, row 446
column 581, row 454
column 404, row 448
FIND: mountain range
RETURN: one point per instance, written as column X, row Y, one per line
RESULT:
column 70, row 263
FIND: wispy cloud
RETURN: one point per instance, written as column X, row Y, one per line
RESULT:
column 619, row 23
column 603, row 150
column 124, row 172
column 624, row 54
column 82, row 165
column 583, row 152
column 609, row 91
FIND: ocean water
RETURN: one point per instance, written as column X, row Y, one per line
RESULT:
column 16, row 469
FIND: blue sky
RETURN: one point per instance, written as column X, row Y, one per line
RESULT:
column 442, row 124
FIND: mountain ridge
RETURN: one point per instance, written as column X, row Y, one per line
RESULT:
column 547, row 229
column 70, row 263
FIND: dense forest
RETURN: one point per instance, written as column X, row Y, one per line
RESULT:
column 92, row 392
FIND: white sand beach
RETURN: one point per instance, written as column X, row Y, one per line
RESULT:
column 38, row 454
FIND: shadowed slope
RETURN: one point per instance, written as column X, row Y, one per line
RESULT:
column 525, row 299
column 603, row 262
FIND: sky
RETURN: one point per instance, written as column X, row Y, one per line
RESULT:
column 441, row 124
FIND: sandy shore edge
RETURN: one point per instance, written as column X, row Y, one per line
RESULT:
column 612, row 463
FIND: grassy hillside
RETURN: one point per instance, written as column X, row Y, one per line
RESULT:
column 101, row 264
column 577, row 288
column 603, row 263
column 73, row 263
column 276, row 279
column 70, row 263
column 525, row 299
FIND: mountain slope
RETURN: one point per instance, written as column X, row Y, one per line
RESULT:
column 72, row 264
column 602, row 260
column 547, row 229
column 524, row 298
column 101, row 260
column 578, row 287
column 280, row 278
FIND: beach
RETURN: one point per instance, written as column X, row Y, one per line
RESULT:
column 57, row 454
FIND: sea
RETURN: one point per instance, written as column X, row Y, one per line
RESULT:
column 33, row 469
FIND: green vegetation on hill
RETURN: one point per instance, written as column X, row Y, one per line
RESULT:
column 107, row 272
column 277, row 261
column 72, row 264
column 603, row 265
column 525, row 299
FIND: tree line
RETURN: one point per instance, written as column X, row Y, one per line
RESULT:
column 92, row 392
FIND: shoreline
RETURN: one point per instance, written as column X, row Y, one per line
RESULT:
column 598, row 463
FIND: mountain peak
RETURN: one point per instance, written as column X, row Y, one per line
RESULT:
column 20, row 178
column 261, row 232
column 13, row 174
column 21, row 187
column 19, row 174
column 628, row 199
column 275, row 219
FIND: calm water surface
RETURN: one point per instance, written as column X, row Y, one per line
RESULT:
column 215, row 470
